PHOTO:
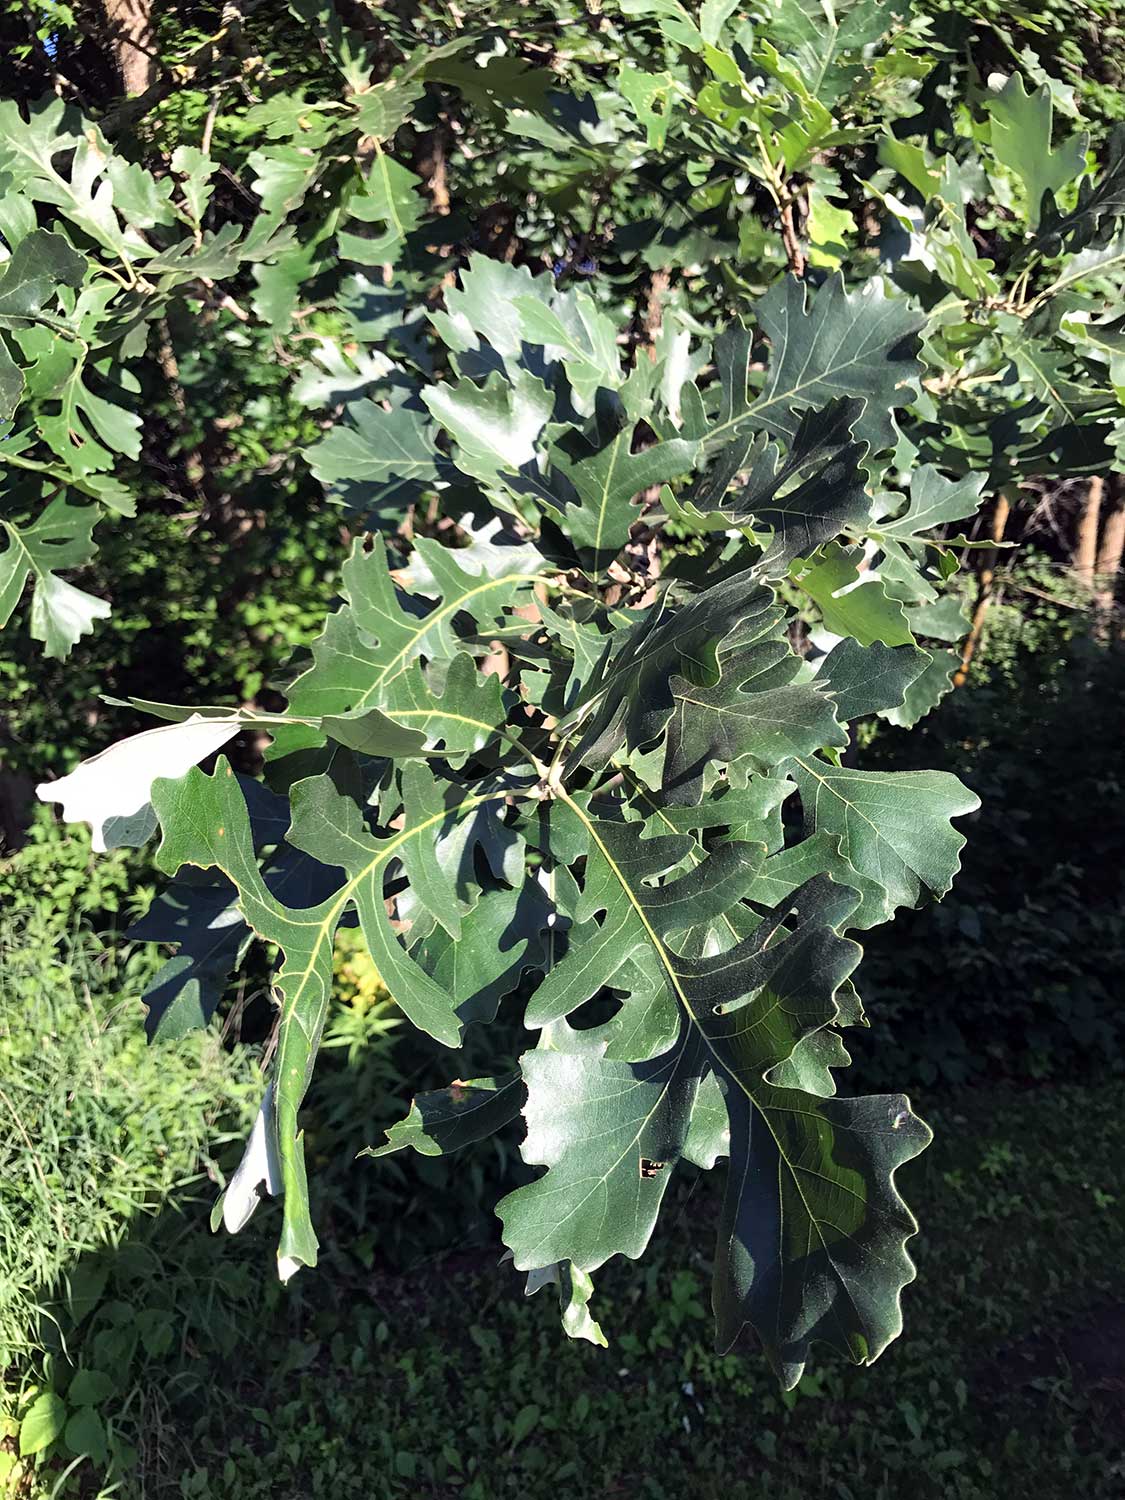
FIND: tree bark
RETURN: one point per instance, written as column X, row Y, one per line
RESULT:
column 1110, row 550
column 222, row 45
column 431, row 165
column 1086, row 540
column 1113, row 533
column 985, row 588
column 658, row 285
column 793, row 252
column 129, row 23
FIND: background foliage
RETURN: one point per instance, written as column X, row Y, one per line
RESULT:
column 669, row 219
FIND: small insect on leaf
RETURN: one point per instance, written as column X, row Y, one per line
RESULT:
column 651, row 1168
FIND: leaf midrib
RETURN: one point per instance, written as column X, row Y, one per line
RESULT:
column 664, row 957
column 400, row 660
column 764, row 404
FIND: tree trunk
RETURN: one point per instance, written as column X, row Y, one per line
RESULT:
column 658, row 285
column 984, row 591
column 1113, row 533
column 790, row 239
column 431, row 165
column 129, row 23
column 1108, row 567
column 1086, row 541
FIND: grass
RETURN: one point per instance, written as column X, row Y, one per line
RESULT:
column 445, row 1382
column 96, row 1133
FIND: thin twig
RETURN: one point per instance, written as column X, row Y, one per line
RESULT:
column 789, row 239
column 209, row 122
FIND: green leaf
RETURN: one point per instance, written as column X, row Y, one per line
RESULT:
column 708, row 1136
column 926, row 691
column 43, row 1422
column 196, row 169
column 1100, row 203
column 676, row 21
column 603, row 1200
column 87, row 430
column 628, row 698
column 346, row 49
column 829, row 44
column 206, row 823
column 379, row 461
column 830, row 229
column 598, row 480
column 381, row 110
column 810, row 1198
column 28, row 151
column 198, row 912
column 573, row 329
column 750, row 811
column 1068, row 394
column 496, row 947
column 1021, row 140
column 495, row 83
column 893, row 826
column 493, row 303
column 807, row 1163
column 283, row 175
column 90, row 1388
column 575, row 1290
column 61, row 538
column 329, row 826
column 484, row 595
column 34, row 271
column 496, row 424
column 427, row 875
column 677, row 365
column 911, row 162
column 830, row 495
column 787, row 871
column 851, row 603
column 11, row 384
column 621, row 860
column 826, row 1259
column 85, row 1436
column 451, row 1118
column 278, row 284
column 753, row 711
column 868, row 679
column 390, row 202
column 650, row 96
column 857, row 344
column 934, row 501
column 366, row 657
column 525, row 1423
column 460, row 719
column 141, row 199
column 335, row 378
column 945, row 619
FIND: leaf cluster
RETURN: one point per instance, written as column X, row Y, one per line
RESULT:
column 578, row 745
column 621, row 806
